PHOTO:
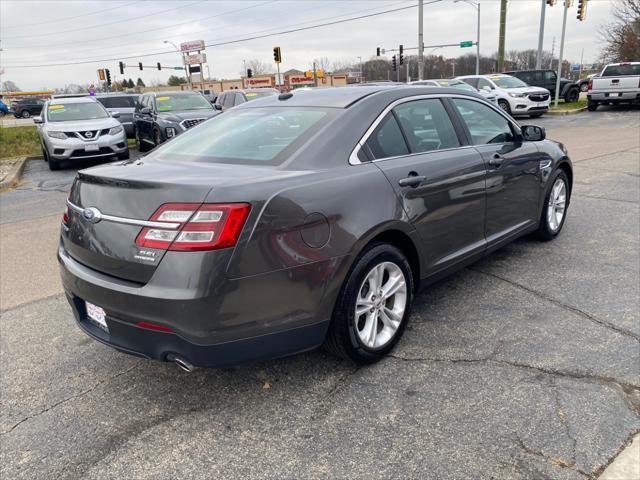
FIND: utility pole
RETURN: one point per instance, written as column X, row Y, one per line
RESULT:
column 567, row 4
column 553, row 51
column 501, row 36
column 420, row 43
column 478, row 44
column 541, row 35
column 315, row 75
column 408, row 79
column 581, row 60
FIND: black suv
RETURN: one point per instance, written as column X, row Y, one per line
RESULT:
column 27, row 107
column 569, row 90
column 160, row 116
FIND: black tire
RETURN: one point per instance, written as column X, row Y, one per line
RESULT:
column 342, row 338
column 124, row 155
column 545, row 232
column 572, row 96
column 592, row 105
column 504, row 105
column 45, row 154
column 142, row 146
column 25, row 114
column 54, row 164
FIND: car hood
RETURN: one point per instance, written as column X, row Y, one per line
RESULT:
column 526, row 90
column 81, row 125
column 187, row 115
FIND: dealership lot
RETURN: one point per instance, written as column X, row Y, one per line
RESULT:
column 524, row 365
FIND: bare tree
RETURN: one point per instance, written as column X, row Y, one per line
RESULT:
column 622, row 35
column 9, row 86
column 258, row 66
column 323, row 63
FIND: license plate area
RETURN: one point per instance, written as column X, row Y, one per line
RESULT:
column 91, row 148
column 97, row 316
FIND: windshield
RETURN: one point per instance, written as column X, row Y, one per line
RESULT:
column 65, row 112
column 508, row 82
column 621, row 70
column 264, row 136
column 254, row 95
column 181, row 102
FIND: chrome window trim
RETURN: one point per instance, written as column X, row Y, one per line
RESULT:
column 128, row 221
column 353, row 158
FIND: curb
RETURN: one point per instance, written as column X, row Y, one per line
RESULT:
column 568, row 112
column 14, row 173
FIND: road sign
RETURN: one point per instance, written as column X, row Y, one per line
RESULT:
column 178, row 68
column 466, row 43
column 575, row 67
column 196, row 59
column 192, row 46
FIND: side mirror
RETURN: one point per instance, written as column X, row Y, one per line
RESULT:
column 115, row 114
column 145, row 111
column 533, row 133
column 37, row 120
column 217, row 106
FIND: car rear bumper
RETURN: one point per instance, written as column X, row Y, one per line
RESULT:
column 237, row 320
column 613, row 96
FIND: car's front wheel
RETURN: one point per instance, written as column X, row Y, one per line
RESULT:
column 504, row 105
column 556, row 202
column 373, row 306
column 572, row 95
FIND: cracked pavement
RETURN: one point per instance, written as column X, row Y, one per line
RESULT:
column 526, row 365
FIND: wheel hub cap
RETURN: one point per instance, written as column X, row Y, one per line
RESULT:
column 557, row 205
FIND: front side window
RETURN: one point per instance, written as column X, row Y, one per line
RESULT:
column 261, row 136
column 549, row 76
column 387, row 139
column 227, row 100
column 426, row 125
column 181, row 102
column 473, row 82
column 239, row 99
column 65, row 112
column 484, row 123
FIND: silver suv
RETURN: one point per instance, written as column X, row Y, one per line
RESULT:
column 73, row 129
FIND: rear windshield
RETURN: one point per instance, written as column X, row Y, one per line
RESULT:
column 65, row 112
column 261, row 136
column 125, row 101
column 621, row 70
column 182, row 102
column 508, row 82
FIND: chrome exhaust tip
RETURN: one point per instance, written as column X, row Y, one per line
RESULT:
column 181, row 362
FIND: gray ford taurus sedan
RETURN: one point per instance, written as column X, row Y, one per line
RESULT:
column 301, row 220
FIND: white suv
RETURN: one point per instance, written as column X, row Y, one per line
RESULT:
column 514, row 96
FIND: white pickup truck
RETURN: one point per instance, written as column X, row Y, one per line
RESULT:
column 618, row 83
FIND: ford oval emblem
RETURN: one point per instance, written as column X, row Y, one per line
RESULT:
column 92, row 215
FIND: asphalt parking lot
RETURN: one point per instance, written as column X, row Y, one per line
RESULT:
column 524, row 365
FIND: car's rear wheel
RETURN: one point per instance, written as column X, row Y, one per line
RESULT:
column 373, row 306
column 584, row 87
column 556, row 202
column 592, row 106
column 504, row 105
column 25, row 114
column 535, row 115
column 572, row 95
column 45, row 154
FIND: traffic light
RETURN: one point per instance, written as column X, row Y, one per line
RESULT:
column 121, row 65
column 140, row 65
column 393, row 63
column 159, row 66
column 249, row 73
column 400, row 57
column 582, row 10
column 551, row 3
column 378, row 52
column 107, row 74
column 277, row 55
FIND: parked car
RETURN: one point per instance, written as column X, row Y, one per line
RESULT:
column 618, row 83
column 301, row 220
column 584, row 83
column 77, row 129
column 514, row 96
column 27, row 107
column 160, row 116
column 232, row 98
column 569, row 90
column 453, row 83
column 125, row 105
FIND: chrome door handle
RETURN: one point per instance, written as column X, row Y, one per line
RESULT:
column 497, row 160
column 412, row 181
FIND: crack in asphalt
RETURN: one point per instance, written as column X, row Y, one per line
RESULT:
column 578, row 195
column 564, row 421
column 555, row 461
column 72, row 397
column 604, row 155
column 571, row 308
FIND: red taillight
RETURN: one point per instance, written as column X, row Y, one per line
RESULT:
column 206, row 226
column 153, row 326
column 65, row 216
column 590, row 84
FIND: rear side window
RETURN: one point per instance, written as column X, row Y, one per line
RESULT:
column 387, row 139
column 549, row 76
column 485, row 124
column 471, row 81
column 128, row 101
column 621, row 70
column 426, row 125
column 260, row 136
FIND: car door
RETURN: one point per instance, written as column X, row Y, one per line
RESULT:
column 143, row 120
column 550, row 78
column 440, row 185
column 513, row 169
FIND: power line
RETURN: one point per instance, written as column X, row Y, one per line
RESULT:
column 103, row 24
column 246, row 39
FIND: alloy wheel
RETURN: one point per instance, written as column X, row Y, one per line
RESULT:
column 26, row 114
column 380, row 305
column 557, row 205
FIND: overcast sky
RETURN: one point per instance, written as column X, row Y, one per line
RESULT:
column 51, row 32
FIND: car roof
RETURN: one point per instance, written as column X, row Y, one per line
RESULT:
column 173, row 92
column 68, row 100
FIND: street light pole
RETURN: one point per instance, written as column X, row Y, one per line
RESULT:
column 541, row 35
column 564, row 29
column 184, row 64
column 475, row 5
column 360, row 73
column 420, row 42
